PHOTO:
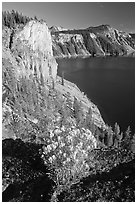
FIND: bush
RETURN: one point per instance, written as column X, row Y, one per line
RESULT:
column 67, row 151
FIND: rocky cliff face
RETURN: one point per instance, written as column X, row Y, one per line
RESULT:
column 28, row 65
column 32, row 47
column 93, row 41
column 56, row 28
column 38, row 109
column 28, row 57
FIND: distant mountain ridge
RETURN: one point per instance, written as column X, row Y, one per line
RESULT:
column 93, row 41
column 101, row 40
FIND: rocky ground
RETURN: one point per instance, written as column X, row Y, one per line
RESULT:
column 116, row 185
column 26, row 178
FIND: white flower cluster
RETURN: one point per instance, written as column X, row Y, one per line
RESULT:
column 69, row 146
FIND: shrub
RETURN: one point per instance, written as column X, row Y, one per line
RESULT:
column 67, row 151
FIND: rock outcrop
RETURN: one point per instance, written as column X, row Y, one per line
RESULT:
column 94, row 41
column 32, row 46
column 56, row 28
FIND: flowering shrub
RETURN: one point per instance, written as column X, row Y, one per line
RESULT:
column 66, row 150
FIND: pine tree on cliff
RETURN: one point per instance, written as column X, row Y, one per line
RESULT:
column 126, row 144
column 132, row 143
column 62, row 78
column 109, row 137
column 11, row 19
column 120, row 139
column 90, row 122
column 78, row 113
column 117, row 135
column 35, row 18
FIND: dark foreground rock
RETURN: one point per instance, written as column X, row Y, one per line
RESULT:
column 37, row 190
column 25, row 178
column 118, row 185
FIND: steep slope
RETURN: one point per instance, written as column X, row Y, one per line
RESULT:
column 33, row 45
column 51, row 130
column 38, row 109
column 28, row 65
column 30, row 60
column 93, row 41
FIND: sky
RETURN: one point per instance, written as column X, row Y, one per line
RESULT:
column 74, row 15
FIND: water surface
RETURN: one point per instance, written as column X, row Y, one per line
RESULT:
column 109, row 82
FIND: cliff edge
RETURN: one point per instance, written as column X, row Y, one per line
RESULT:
column 102, row 40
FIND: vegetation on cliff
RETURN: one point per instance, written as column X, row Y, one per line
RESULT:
column 51, row 141
column 14, row 18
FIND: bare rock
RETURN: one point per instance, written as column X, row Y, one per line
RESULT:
column 33, row 45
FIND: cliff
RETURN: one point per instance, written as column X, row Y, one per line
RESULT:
column 51, row 130
column 33, row 48
column 29, row 59
column 94, row 41
column 38, row 109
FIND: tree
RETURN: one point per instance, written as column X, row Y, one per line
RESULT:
column 109, row 137
column 78, row 113
column 11, row 19
column 127, row 139
column 132, row 146
column 97, row 134
column 120, row 137
column 35, row 18
column 89, row 117
column 11, row 39
column 116, row 135
column 62, row 77
column 89, row 121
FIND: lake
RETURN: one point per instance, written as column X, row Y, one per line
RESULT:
column 108, row 82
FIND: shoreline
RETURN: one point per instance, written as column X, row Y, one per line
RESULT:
column 90, row 56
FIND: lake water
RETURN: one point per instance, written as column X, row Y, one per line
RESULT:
column 108, row 82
